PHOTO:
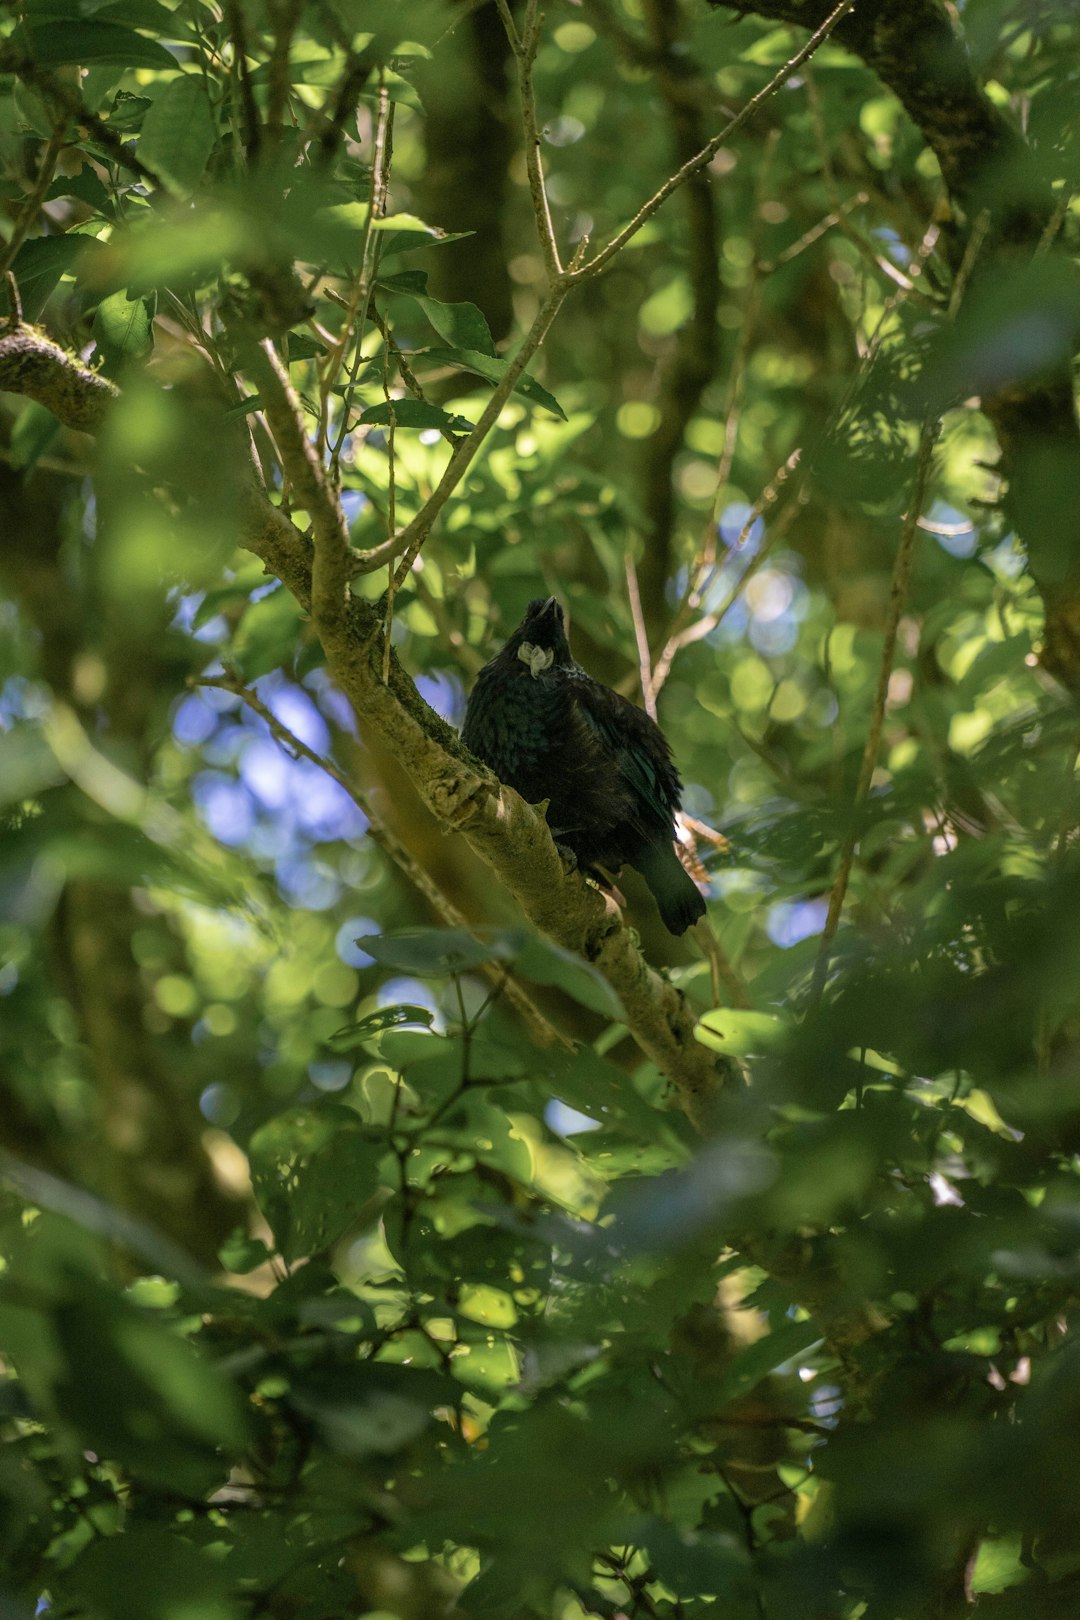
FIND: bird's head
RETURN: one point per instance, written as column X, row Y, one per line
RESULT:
column 539, row 643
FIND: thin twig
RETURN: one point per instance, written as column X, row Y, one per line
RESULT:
column 973, row 247
column 897, row 598
column 525, row 46
column 252, row 140
column 641, row 635
column 411, row 538
column 540, row 1027
column 692, row 358
column 1055, row 222
column 816, row 232
column 711, row 621
column 722, row 971
column 842, row 208
column 356, row 309
column 702, row 570
column 391, row 515
column 13, row 319
column 1067, row 820
column 30, row 209
column 408, row 376
column 709, row 151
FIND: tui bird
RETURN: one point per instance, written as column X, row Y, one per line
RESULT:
column 551, row 732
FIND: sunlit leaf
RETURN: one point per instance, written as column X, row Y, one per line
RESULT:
column 178, row 133
column 314, row 1170
column 415, row 413
column 492, row 369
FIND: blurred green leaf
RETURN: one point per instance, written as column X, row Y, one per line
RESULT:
column 34, row 433
column 39, row 265
column 79, row 39
column 124, row 329
column 178, row 133
column 314, row 1170
column 741, row 1032
column 435, row 951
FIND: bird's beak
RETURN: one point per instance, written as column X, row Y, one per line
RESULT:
column 551, row 609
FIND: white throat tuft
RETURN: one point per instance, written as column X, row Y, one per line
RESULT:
column 537, row 658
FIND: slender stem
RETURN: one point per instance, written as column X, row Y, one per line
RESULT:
column 525, row 52
column 641, row 635
column 412, row 537
column 30, row 209
column 361, row 290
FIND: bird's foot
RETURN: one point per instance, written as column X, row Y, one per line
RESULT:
column 567, row 856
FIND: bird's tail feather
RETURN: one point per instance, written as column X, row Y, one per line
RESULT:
column 676, row 894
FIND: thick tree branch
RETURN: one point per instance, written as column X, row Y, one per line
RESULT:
column 542, row 1031
column 332, row 556
column 32, row 365
column 511, row 836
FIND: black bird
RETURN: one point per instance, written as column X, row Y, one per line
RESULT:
column 551, row 732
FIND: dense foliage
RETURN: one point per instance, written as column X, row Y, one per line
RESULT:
column 366, row 1247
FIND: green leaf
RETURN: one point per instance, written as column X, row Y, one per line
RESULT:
column 462, row 326
column 742, row 1033
column 124, row 328
column 415, row 413
column 153, row 1572
column 39, row 265
column 351, row 1036
column 748, row 1367
column 35, row 431
column 313, row 1170
column 413, row 282
column 135, row 1391
column 337, row 231
column 597, row 1088
column 85, row 185
column 696, row 1563
column 179, row 132
column 400, row 226
column 370, row 1409
column 268, row 634
column 54, row 43
column 492, row 370
column 303, row 347
column 545, row 963
column 149, row 14
column 434, row 952
column 240, row 1253
column 128, row 112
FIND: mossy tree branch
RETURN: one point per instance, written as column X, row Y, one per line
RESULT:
column 511, row 836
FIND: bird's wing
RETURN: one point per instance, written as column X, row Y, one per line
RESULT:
column 636, row 745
